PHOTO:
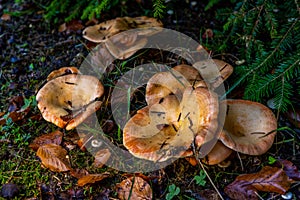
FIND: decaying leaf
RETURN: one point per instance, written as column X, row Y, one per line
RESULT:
column 92, row 178
column 51, row 138
column 134, row 188
column 15, row 103
column 78, row 173
column 15, row 115
column 269, row 179
column 72, row 26
column 101, row 157
column 53, row 157
column 290, row 169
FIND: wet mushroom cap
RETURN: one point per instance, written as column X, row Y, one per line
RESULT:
column 68, row 100
column 167, row 128
column 249, row 127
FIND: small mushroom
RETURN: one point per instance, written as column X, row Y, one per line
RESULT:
column 167, row 128
column 68, row 100
column 218, row 154
column 249, row 127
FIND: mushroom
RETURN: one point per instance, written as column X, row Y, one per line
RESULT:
column 218, row 154
column 181, row 76
column 249, row 127
column 68, row 100
column 212, row 75
column 62, row 71
column 124, row 45
column 100, row 32
column 168, row 127
column 119, row 41
column 163, row 84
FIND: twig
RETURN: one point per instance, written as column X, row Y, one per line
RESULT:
column 210, row 180
column 240, row 161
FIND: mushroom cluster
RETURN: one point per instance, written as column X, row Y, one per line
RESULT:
column 116, row 42
column 69, row 97
column 182, row 110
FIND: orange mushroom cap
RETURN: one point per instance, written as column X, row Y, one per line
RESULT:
column 218, row 154
column 249, row 127
column 168, row 127
column 100, row 32
column 68, row 100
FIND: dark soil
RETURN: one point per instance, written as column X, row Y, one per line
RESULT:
column 30, row 48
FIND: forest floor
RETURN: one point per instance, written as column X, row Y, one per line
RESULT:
column 31, row 48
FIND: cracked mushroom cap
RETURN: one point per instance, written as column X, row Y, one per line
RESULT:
column 249, row 127
column 68, row 100
column 167, row 128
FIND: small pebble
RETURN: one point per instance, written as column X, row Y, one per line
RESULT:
column 193, row 3
column 271, row 103
column 287, row 195
column 14, row 59
column 9, row 190
column 96, row 143
column 170, row 12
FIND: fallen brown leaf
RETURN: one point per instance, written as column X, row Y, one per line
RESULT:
column 16, row 115
column 134, row 188
column 101, row 158
column 92, row 178
column 51, row 138
column 290, row 169
column 71, row 26
column 54, row 158
column 6, row 17
column 269, row 179
column 15, row 103
column 79, row 173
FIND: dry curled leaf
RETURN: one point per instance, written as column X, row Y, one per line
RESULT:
column 51, row 138
column 134, row 188
column 54, row 158
column 92, row 178
column 101, row 158
column 269, row 179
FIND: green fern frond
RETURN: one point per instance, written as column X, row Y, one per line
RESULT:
column 158, row 8
column 268, row 40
